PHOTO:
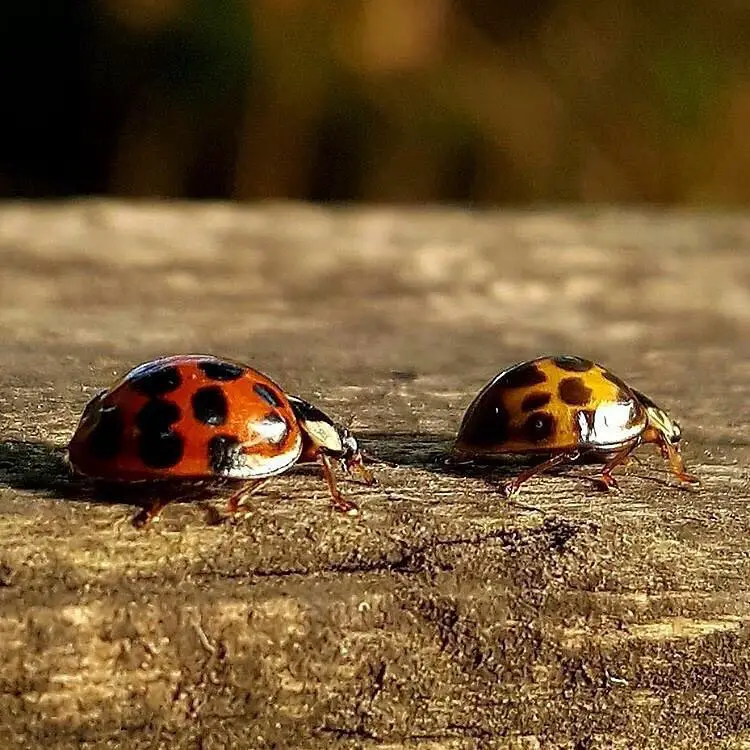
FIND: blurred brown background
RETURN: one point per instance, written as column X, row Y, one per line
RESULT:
column 378, row 100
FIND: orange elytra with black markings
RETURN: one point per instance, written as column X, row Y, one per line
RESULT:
column 195, row 416
column 565, row 409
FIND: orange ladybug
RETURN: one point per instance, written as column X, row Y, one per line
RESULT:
column 564, row 410
column 195, row 416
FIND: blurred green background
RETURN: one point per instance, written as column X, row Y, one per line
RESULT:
column 469, row 101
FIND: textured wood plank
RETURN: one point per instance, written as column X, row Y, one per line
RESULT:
column 442, row 617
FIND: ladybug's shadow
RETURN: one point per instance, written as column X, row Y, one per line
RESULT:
column 405, row 449
column 432, row 452
column 38, row 467
column 41, row 468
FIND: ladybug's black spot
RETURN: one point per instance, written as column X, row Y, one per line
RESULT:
column 217, row 369
column 105, row 440
column 268, row 395
column 160, row 450
column 157, row 415
column 573, row 364
column 523, row 376
column 210, row 405
column 538, row 427
column 156, row 382
column 574, row 391
column 535, row 401
column 487, row 424
column 222, row 453
column 159, row 447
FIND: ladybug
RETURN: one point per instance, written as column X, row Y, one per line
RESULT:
column 196, row 416
column 563, row 410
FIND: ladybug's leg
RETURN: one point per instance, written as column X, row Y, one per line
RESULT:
column 511, row 487
column 339, row 502
column 671, row 454
column 149, row 514
column 355, row 467
column 606, row 480
column 233, row 504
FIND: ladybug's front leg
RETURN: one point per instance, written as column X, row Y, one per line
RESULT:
column 338, row 501
column 671, row 454
column 233, row 504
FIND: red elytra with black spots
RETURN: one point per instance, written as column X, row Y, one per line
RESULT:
column 195, row 416
column 565, row 409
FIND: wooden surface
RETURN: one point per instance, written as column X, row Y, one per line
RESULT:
column 442, row 617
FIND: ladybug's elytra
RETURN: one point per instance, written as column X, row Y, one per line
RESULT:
column 565, row 409
column 196, row 416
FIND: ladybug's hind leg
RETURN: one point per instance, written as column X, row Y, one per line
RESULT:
column 511, row 487
column 157, row 496
column 150, row 513
column 338, row 501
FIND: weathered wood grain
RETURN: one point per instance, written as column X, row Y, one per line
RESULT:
column 442, row 617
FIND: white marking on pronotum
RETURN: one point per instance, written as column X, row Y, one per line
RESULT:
column 610, row 425
column 324, row 434
column 317, row 425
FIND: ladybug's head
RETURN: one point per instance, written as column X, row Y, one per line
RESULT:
column 351, row 457
column 331, row 438
column 666, row 433
column 660, row 422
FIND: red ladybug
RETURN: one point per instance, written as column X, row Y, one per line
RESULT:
column 195, row 416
